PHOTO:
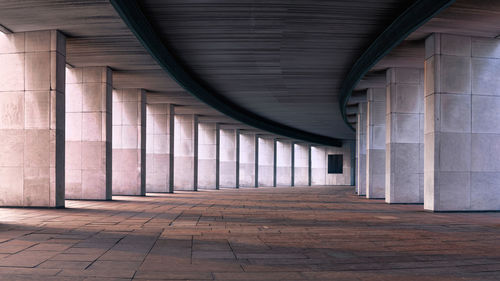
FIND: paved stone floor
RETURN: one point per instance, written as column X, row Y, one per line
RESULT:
column 301, row 233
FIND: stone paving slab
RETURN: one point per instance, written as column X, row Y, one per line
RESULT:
column 300, row 233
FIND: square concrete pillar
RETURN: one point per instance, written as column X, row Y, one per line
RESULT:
column 283, row 163
column 129, row 142
column 361, row 150
column 158, row 147
column 404, row 181
column 207, row 155
column 88, row 133
column 318, row 165
column 375, row 143
column 32, row 119
column 343, row 178
column 247, row 159
column 186, row 152
column 237, row 166
column 301, row 164
column 265, row 161
column 462, row 117
column 227, row 153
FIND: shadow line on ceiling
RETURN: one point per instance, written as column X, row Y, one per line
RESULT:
column 137, row 22
column 410, row 20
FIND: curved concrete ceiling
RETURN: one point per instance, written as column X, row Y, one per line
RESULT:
column 280, row 60
column 132, row 15
column 416, row 15
column 463, row 17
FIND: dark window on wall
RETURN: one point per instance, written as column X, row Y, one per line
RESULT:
column 335, row 162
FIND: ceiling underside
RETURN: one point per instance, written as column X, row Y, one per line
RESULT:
column 463, row 17
column 282, row 60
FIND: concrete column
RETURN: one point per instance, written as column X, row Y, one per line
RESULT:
column 343, row 178
column 462, row 117
column 227, row 168
column 88, row 133
column 265, row 161
column 237, row 164
column 309, row 166
column 318, row 165
column 186, row 152
column 283, row 163
column 256, row 169
column 217, row 156
column 404, row 181
column 158, row 147
column 292, row 168
column 207, row 152
column 129, row 142
column 247, row 160
column 375, row 143
column 275, row 162
column 301, row 164
column 353, row 162
column 361, row 150
column 171, row 147
column 32, row 119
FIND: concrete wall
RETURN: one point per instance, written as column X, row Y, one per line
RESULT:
column 129, row 144
column 319, row 165
column 88, row 133
column 361, row 128
column 375, row 143
column 283, row 163
column 227, row 169
column 158, row 147
column 247, row 160
column 266, row 162
column 345, row 177
column 404, row 181
column 207, row 150
column 186, row 152
column 32, row 86
column 462, row 117
column 301, row 164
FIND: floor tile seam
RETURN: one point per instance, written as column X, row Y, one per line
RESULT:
column 116, row 243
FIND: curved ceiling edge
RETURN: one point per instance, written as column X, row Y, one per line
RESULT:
column 410, row 20
column 131, row 14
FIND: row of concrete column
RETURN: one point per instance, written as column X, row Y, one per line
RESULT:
column 432, row 136
column 66, row 133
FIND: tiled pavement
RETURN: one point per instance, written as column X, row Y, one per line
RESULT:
column 301, row 233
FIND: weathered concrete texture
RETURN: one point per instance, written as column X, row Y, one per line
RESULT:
column 404, row 180
column 227, row 153
column 32, row 119
column 301, row 164
column 266, row 162
column 186, row 152
column 361, row 150
column 462, row 117
column 207, row 151
column 88, row 133
column 158, row 135
column 319, row 165
column 247, row 160
column 345, row 177
column 283, row 163
column 375, row 143
column 129, row 142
